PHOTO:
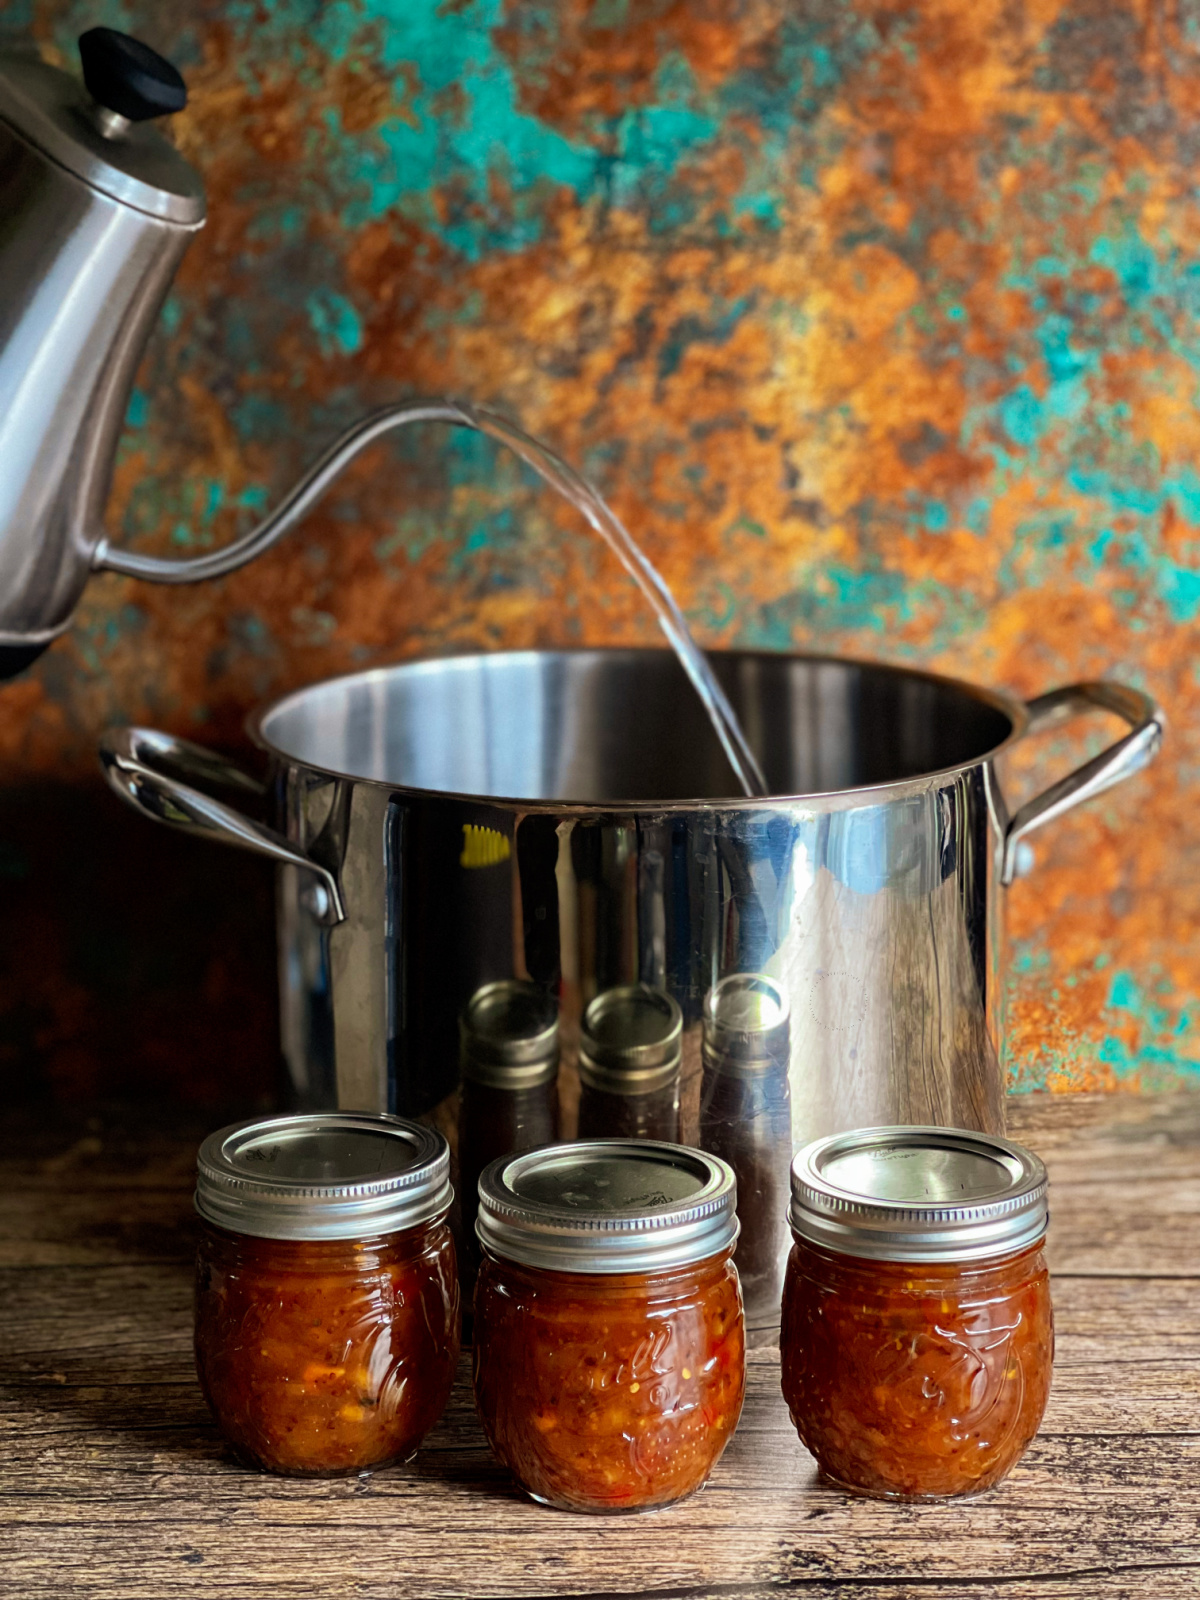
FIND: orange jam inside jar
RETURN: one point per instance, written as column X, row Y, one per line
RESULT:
column 918, row 1336
column 327, row 1314
column 609, row 1339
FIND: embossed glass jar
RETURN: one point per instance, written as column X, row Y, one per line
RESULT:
column 918, row 1336
column 327, row 1301
column 609, row 1343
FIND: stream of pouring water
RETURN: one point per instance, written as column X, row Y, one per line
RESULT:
column 552, row 469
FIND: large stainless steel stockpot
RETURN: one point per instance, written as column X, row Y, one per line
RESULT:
column 568, row 818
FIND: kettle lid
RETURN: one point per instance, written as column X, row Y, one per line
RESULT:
column 101, row 138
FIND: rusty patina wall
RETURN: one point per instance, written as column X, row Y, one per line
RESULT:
column 877, row 321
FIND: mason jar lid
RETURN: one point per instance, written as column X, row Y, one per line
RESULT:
column 607, row 1205
column 747, row 1027
column 323, row 1175
column 509, row 1035
column 919, row 1194
column 631, row 1040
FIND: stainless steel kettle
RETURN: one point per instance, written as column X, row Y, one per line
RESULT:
column 96, row 210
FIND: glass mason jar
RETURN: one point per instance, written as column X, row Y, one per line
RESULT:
column 509, row 1097
column 326, row 1289
column 746, row 1119
column 630, row 1054
column 918, row 1337
column 609, row 1347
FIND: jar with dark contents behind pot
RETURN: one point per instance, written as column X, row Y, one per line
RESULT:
column 918, row 1335
column 609, row 1348
column 630, row 1056
column 509, row 1096
column 327, row 1300
column 746, row 1119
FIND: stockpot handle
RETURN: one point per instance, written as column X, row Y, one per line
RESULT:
column 1120, row 761
column 133, row 760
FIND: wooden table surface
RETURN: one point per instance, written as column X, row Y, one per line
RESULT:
column 113, row 1481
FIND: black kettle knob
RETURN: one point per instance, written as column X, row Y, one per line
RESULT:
column 126, row 76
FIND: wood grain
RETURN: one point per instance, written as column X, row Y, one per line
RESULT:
column 114, row 1483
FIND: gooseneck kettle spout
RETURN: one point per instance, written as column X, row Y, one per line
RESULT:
column 97, row 210
column 294, row 506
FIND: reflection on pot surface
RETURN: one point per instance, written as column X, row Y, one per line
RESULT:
column 746, row 1119
column 509, row 1096
column 629, row 1059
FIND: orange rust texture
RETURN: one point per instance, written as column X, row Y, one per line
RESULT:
column 876, row 321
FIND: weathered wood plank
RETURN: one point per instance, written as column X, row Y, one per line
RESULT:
column 81, row 1227
column 1136, row 1583
column 1066, row 1508
column 1069, row 1121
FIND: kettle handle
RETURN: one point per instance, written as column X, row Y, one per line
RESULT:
column 1120, row 761
column 293, row 508
column 131, row 759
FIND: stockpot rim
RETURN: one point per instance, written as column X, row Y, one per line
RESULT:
column 1000, row 700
